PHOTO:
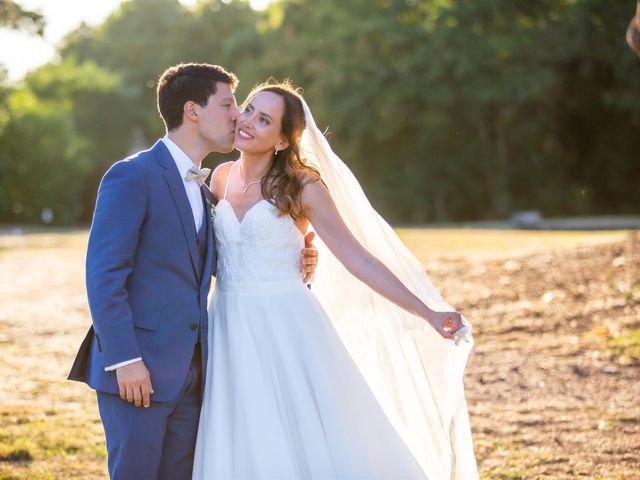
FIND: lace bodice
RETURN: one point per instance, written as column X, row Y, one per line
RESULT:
column 263, row 246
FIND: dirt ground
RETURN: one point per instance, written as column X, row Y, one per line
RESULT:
column 553, row 384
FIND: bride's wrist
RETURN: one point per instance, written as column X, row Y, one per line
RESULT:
column 426, row 313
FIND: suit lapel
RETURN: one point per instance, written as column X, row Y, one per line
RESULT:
column 208, row 202
column 208, row 196
column 172, row 177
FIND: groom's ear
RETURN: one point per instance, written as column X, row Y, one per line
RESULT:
column 191, row 110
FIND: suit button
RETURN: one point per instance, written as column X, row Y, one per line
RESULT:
column 194, row 327
column 197, row 241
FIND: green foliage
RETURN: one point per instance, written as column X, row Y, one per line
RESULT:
column 40, row 164
column 446, row 110
column 62, row 128
column 627, row 347
column 14, row 16
column 99, row 101
column 466, row 110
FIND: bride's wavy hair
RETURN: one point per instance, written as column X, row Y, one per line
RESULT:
column 289, row 173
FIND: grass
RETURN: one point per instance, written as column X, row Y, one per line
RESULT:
column 488, row 244
column 46, row 444
column 626, row 347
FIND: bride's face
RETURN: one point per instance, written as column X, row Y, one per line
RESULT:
column 259, row 126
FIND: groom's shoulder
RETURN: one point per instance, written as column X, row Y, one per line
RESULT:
column 144, row 156
column 138, row 161
column 133, row 168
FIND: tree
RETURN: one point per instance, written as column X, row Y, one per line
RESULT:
column 14, row 16
column 40, row 162
column 445, row 110
column 62, row 129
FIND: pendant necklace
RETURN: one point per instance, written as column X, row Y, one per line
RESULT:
column 247, row 185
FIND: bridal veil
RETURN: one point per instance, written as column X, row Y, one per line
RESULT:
column 416, row 375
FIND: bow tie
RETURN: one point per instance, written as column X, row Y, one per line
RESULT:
column 197, row 174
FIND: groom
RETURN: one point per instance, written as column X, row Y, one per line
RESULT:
column 150, row 259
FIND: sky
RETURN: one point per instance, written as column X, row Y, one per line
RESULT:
column 20, row 52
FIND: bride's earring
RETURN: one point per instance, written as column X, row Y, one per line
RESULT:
column 276, row 152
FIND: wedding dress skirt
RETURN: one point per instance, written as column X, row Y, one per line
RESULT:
column 283, row 396
column 283, row 399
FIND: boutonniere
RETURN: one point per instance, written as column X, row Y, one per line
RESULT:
column 212, row 208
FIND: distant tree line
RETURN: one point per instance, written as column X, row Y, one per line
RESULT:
column 446, row 110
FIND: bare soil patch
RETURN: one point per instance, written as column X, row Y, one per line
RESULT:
column 552, row 385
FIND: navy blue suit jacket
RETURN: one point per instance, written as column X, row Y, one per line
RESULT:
column 146, row 295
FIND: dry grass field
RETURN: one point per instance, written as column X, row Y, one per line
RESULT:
column 553, row 384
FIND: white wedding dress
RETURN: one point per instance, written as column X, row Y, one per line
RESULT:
column 283, row 398
column 334, row 382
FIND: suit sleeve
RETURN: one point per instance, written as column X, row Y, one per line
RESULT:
column 119, row 215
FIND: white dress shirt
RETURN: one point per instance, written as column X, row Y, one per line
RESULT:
column 184, row 163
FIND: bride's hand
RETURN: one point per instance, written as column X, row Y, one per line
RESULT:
column 445, row 323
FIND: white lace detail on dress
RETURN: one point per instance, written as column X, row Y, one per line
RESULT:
column 263, row 246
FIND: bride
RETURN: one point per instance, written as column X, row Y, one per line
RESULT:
column 336, row 381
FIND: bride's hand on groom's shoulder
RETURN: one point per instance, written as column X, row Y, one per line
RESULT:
column 134, row 383
column 445, row 323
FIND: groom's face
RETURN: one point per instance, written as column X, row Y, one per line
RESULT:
column 218, row 119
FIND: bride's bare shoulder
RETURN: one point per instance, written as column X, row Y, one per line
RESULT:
column 219, row 178
column 222, row 168
column 308, row 176
column 314, row 191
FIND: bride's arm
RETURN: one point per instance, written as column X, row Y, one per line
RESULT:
column 321, row 211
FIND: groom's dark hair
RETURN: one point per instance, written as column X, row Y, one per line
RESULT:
column 185, row 82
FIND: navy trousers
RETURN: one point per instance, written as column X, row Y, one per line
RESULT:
column 156, row 442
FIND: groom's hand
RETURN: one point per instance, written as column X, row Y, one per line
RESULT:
column 134, row 382
column 309, row 257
